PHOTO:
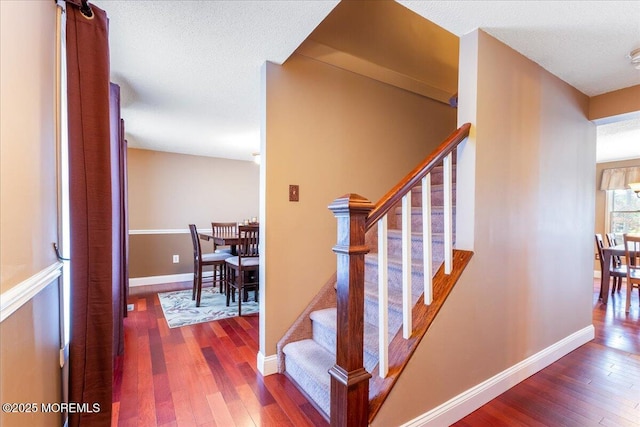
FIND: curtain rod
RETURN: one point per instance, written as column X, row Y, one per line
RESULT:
column 83, row 5
column 86, row 9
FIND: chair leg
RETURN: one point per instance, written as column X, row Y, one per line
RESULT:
column 227, row 286
column 195, row 281
column 221, row 282
column 199, row 286
column 240, row 293
column 229, row 277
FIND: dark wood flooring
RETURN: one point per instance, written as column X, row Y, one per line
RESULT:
column 205, row 375
column 597, row 384
column 199, row 375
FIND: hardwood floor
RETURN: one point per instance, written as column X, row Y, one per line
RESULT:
column 205, row 375
column 199, row 375
column 597, row 384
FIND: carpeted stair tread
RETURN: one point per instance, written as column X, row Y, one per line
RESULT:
column 308, row 364
column 325, row 322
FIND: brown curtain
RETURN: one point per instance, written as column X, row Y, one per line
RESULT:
column 95, row 267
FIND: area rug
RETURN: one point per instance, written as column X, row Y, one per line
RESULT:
column 180, row 310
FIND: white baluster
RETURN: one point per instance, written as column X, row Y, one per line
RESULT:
column 427, row 239
column 406, row 266
column 448, row 214
column 383, row 291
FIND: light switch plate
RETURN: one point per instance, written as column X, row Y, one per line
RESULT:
column 294, row 193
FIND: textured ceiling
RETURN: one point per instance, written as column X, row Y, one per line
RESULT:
column 189, row 71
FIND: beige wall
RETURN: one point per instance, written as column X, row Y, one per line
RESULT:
column 152, row 254
column 29, row 359
column 169, row 191
column 615, row 103
column 29, row 338
column 27, row 154
column 529, row 284
column 331, row 132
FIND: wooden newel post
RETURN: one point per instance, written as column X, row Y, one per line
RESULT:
column 349, row 379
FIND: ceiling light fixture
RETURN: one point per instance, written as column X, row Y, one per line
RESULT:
column 635, row 186
column 635, row 58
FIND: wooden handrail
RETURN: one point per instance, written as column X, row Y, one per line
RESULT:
column 349, row 401
column 386, row 203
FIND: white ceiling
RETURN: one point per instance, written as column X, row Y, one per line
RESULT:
column 618, row 141
column 189, row 71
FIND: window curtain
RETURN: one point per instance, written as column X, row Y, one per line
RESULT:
column 95, row 214
column 619, row 178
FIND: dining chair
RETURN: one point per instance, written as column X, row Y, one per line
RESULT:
column 616, row 272
column 216, row 260
column 223, row 229
column 243, row 270
column 632, row 255
column 616, row 260
column 612, row 241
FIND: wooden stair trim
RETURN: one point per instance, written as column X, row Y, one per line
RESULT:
column 401, row 350
column 393, row 196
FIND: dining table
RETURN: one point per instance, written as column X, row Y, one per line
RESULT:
column 230, row 240
column 607, row 256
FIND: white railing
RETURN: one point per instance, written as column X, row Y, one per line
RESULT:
column 427, row 258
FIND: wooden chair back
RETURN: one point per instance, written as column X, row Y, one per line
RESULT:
column 224, row 228
column 612, row 241
column 249, row 236
column 195, row 240
column 600, row 246
column 632, row 254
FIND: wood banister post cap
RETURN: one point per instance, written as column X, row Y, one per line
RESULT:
column 351, row 202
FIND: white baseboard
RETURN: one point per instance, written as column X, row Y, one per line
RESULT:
column 158, row 280
column 470, row 400
column 267, row 365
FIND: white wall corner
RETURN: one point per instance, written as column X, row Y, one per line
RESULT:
column 267, row 365
column 465, row 403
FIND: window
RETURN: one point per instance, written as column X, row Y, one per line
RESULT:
column 624, row 212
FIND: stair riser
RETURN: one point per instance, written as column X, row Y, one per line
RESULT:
column 318, row 393
column 437, row 175
column 394, row 315
column 394, row 275
column 394, row 247
column 437, row 195
column 324, row 336
column 327, row 337
column 437, row 220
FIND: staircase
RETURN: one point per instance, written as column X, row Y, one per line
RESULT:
column 308, row 351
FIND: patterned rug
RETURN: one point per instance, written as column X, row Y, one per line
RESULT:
column 180, row 310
